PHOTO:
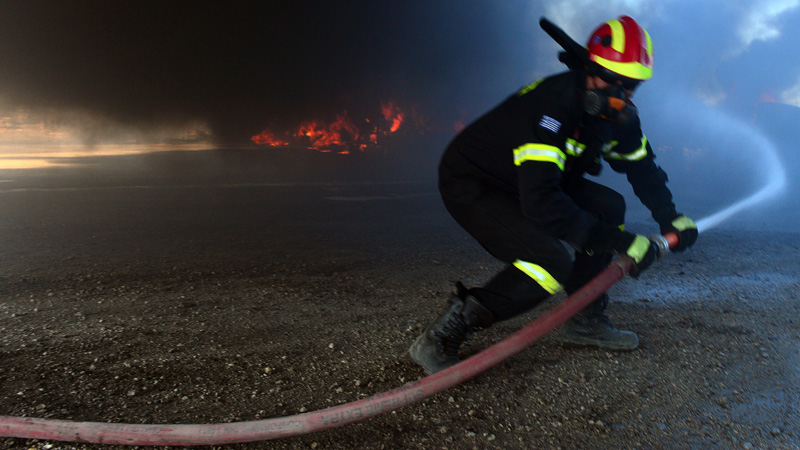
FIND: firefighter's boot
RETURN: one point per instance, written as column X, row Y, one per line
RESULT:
column 591, row 327
column 437, row 347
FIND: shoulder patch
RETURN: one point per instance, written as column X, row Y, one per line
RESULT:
column 550, row 124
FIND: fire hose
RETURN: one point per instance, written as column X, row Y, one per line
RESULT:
column 281, row 427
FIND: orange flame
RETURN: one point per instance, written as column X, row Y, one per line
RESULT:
column 268, row 138
column 322, row 136
column 339, row 136
column 392, row 114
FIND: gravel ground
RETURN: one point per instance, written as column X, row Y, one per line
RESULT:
column 232, row 302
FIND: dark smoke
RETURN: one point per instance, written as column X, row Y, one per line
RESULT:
column 242, row 66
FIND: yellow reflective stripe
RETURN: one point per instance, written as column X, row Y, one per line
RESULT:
column 530, row 87
column 635, row 70
column 617, row 35
column 539, row 275
column 539, row 152
column 649, row 42
column 609, row 145
column 574, row 148
column 636, row 155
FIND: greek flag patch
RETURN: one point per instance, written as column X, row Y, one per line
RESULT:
column 549, row 123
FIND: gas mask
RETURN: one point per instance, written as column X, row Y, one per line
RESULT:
column 610, row 104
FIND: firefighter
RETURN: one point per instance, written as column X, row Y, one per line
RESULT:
column 515, row 180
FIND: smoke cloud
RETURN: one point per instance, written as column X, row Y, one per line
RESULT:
column 241, row 66
column 237, row 68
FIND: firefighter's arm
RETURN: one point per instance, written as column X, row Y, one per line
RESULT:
column 633, row 155
column 649, row 183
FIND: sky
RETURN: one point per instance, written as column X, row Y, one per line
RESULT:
column 100, row 71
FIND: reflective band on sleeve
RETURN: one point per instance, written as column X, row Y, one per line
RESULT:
column 539, row 152
column 574, row 147
column 530, row 87
column 609, row 145
column 636, row 155
column 539, row 275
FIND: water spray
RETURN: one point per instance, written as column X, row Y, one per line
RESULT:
column 747, row 138
column 775, row 185
column 282, row 427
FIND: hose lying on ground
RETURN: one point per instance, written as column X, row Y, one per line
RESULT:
column 280, row 427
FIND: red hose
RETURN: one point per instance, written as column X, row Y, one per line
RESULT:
column 672, row 239
column 281, row 427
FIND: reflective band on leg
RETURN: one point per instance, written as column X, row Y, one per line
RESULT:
column 539, row 275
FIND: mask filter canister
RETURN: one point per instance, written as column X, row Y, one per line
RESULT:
column 599, row 103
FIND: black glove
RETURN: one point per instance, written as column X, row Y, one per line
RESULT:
column 637, row 247
column 684, row 228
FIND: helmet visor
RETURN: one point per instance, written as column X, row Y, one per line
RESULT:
column 610, row 77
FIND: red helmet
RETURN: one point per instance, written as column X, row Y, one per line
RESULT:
column 622, row 47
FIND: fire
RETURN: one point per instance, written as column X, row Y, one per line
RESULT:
column 268, row 138
column 341, row 135
column 336, row 134
column 392, row 114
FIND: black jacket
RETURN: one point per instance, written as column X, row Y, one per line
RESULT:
column 538, row 141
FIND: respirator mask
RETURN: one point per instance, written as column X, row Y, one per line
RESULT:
column 611, row 103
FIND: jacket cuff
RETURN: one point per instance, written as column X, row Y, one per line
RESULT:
column 606, row 238
column 665, row 216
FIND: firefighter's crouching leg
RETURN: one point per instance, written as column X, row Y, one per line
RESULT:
column 591, row 327
column 437, row 347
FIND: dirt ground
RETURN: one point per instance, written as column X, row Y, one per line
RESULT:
column 224, row 302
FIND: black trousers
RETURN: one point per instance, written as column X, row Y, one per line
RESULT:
column 495, row 220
